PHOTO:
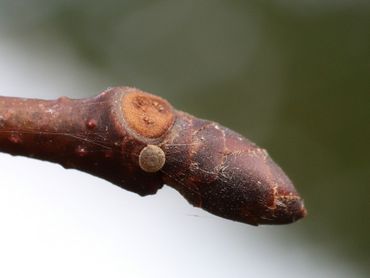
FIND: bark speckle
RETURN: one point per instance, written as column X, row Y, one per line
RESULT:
column 91, row 124
column 15, row 138
column 81, row 151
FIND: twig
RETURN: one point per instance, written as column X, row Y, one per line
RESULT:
column 139, row 142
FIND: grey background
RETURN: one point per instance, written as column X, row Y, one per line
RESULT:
column 292, row 76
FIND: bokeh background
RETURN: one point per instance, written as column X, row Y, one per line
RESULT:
column 293, row 76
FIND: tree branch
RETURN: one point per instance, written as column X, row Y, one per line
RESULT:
column 139, row 142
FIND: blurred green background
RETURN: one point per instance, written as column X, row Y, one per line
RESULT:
column 293, row 76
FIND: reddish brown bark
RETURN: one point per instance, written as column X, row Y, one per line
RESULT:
column 125, row 136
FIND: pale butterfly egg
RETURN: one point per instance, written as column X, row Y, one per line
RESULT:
column 151, row 159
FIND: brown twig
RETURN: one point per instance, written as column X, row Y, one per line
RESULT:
column 139, row 142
